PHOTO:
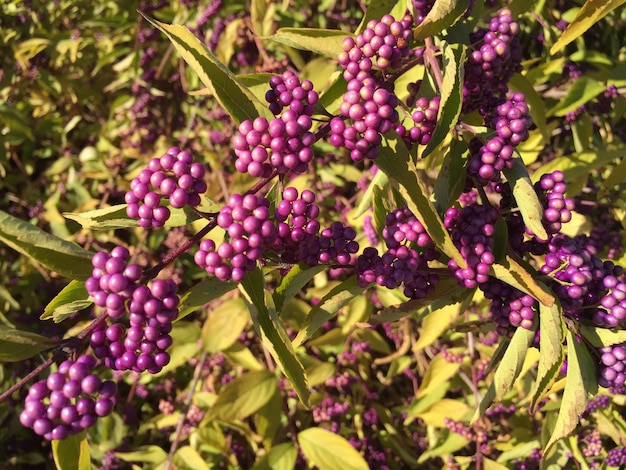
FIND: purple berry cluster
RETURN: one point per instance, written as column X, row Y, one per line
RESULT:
column 68, row 401
column 510, row 307
column 142, row 345
column 551, row 189
column 612, row 366
column 249, row 231
column 472, row 228
column 424, row 117
column 511, row 121
column 616, row 457
column 496, row 57
column 405, row 262
column 174, row 178
column 113, row 280
column 284, row 143
column 368, row 109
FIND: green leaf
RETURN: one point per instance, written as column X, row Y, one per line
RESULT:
column 149, row 454
column 17, row 345
column 376, row 10
column 451, row 95
column 202, row 293
column 590, row 13
column 329, row 451
column 188, row 458
column 16, row 121
column 232, row 95
column 273, row 334
column 297, row 277
column 439, row 371
column 580, row 164
column 509, row 271
column 56, row 254
column 72, row 453
column 395, row 161
column 326, row 42
column 616, row 176
column 526, row 197
column 583, row 90
column 224, row 325
column 508, row 370
column 280, row 457
column 73, row 298
column 451, row 177
column 580, row 382
column 327, row 308
column 115, row 217
column 550, row 345
column 600, row 337
column 439, row 320
column 442, row 15
column 380, row 181
column 243, row 396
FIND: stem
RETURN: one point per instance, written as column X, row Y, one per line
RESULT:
column 187, row 404
column 152, row 272
column 429, row 58
column 64, row 350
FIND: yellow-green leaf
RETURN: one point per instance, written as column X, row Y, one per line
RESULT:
column 329, row 451
column 72, row 453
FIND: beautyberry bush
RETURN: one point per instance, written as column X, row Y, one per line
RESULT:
column 292, row 235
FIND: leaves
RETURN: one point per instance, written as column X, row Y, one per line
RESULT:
column 326, row 42
column 511, row 272
column 329, row 451
column 590, row 13
column 243, row 396
column 580, row 382
column 17, row 345
column 222, row 83
column 73, row 298
column 451, row 95
column 273, row 334
column 72, row 453
column 224, row 325
column 442, row 15
column 395, row 161
column 582, row 91
column 56, row 254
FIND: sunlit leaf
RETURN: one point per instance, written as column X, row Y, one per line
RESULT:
column 72, row 453
column 329, row 451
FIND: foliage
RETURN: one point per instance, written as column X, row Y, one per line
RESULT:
column 454, row 314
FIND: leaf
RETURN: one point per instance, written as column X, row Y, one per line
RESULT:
column 380, row 180
column 550, row 345
column 580, row 382
column 326, row 42
column 590, row 13
column 16, row 121
column 395, row 161
column 327, row 308
column 243, row 396
column 73, row 298
column 297, row 277
column 439, row 371
column 224, row 325
column 437, row 321
column 202, row 293
column 441, row 410
column 451, row 177
column 451, row 95
column 17, row 345
column 56, row 254
column 329, row 451
column 280, row 457
column 583, row 90
column 149, row 454
column 509, row 271
column 600, row 337
column 526, row 197
column 508, row 370
column 72, row 453
column 442, row 15
column 240, row 103
column 616, row 176
column 188, row 458
column 273, row 334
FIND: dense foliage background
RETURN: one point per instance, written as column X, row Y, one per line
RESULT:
column 301, row 363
